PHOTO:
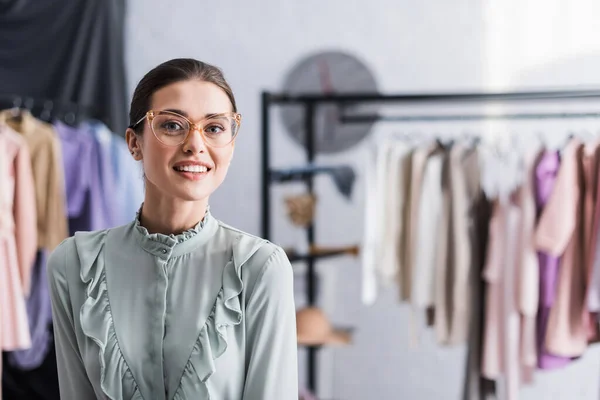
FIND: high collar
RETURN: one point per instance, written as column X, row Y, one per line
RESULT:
column 166, row 246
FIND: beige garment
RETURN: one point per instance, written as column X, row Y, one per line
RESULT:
column 527, row 270
column 465, row 192
column 559, row 233
column 453, row 280
column 442, row 300
column 48, row 175
column 418, row 161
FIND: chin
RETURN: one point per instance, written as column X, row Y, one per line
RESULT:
column 191, row 195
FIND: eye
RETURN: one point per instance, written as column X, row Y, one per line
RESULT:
column 214, row 129
column 172, row 127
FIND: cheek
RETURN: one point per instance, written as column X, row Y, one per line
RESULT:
column 222, row 158
column 156, row 159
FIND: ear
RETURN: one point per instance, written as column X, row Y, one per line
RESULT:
column 134, row 142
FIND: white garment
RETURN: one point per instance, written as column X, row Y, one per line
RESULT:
column 430, row 209
column 391, row 217
column 383, row 217
column 374, row 171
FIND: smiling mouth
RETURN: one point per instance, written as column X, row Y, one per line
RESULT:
column 195, row 169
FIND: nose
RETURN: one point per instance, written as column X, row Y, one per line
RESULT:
column 194, row 143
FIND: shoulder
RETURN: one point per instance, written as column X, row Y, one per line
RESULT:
column 258, row 260
column 75, row 255
column 250, row 250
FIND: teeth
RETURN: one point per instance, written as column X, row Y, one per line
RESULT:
column 192, row 168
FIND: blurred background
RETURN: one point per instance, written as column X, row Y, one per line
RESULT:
column 319, row 185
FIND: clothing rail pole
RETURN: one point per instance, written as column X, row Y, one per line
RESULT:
column 346, row 119
column 309, row 121
column 285, row 98
column 265, row 166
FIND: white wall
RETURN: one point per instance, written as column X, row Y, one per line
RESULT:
column 411, row 46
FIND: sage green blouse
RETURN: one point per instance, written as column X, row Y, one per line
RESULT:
column 206, row 314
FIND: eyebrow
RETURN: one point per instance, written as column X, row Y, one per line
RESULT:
column 181, row 112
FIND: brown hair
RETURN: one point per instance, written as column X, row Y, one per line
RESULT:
column 172, row 71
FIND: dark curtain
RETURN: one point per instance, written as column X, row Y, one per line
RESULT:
column 69, row 51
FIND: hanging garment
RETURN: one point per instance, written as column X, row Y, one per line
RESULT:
column 39, row 313
column 128, row 179
column 442, row 300
column 454, row 251
column 546, row 173
column 85, row 207
column 590, row 165
column 17, row 238
column 103, row 148
column 560, row 232
column 391, row 215
column 48, row 176
column 593, row 299
column 476, row 386
column 500, row 359
column 419, row 160
column 374, row 193
column 465, row 192
column 429, row 218
column 384, row 186
column 527, row 269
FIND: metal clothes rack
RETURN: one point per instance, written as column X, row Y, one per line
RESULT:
column 311, row 102
column 49, row 109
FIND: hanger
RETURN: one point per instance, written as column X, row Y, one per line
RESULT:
column 15, row 111
column 46, row 114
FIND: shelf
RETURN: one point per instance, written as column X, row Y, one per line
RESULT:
column 319, row 253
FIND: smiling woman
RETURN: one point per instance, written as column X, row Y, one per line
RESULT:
column 175, row 304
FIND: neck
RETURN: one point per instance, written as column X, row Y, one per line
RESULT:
column 171, row 216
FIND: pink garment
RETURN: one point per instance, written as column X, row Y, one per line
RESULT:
column 590, row 163
column 17, row 239
column 528, row 272
column 500, row 356
column 559, row 234
column 546, row 173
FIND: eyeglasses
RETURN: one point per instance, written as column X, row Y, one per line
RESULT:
column 172, row 129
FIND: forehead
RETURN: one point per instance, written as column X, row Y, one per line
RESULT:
column 196, row 98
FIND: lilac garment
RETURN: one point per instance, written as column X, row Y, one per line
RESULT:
column 129, row 181
column 103, row 148
column 545, row 178
column 39, row 315
column 82, row 179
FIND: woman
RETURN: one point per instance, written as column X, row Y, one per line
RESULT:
column 176, row 304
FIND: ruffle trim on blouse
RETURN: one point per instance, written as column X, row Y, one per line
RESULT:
column 97, row 322
column 212, row 340
column 170, row 239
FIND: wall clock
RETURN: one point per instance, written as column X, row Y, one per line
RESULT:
column 328, row 73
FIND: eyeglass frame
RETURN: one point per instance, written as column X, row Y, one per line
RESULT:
column 150, row 114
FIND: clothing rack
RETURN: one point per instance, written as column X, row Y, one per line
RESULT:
column 311, row 102
column 49, row 109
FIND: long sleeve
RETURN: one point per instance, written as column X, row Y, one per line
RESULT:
column 73, row 380
column 271, row 358
column 56, row 213
column 25, row 217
